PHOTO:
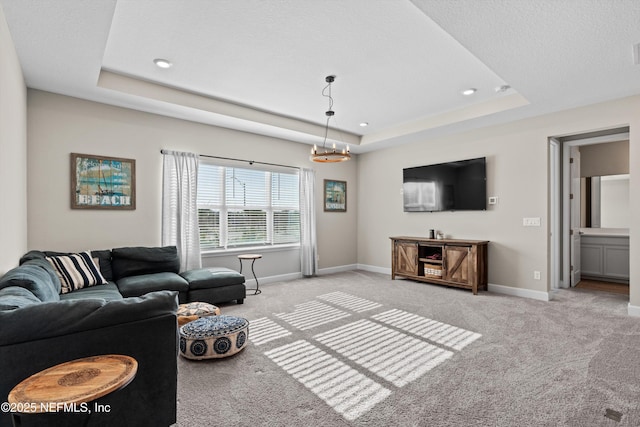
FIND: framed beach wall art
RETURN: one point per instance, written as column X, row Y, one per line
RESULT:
column 335, row 196
column 100, row 182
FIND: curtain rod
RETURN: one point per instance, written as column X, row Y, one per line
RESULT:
column 251, row 162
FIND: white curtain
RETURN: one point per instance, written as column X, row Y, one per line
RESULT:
column 180, row 207
column 308, row 241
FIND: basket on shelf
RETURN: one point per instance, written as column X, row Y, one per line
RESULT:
column 431, row 270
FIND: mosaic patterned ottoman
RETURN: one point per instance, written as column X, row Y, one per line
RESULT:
column 194, row 310
column 213, row 337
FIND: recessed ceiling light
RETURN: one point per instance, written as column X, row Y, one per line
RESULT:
column 364, row 124
column 162, row 63
column 469, row 91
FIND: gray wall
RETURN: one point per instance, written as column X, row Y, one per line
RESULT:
column 604, row 159
column 517, row 158
column 60, row 125
column 517, row 167
column 13, row 153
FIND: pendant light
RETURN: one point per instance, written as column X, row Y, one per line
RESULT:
column 329, row 155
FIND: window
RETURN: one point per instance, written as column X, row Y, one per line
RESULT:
column 247, row 207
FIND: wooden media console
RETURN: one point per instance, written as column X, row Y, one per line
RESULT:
column 450, row 262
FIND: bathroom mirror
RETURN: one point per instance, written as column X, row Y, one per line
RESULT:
column 605, row 201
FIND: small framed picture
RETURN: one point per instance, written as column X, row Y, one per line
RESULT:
column 99, row 182
column 335, row 196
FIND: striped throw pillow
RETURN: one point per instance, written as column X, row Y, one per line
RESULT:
column 76, row 271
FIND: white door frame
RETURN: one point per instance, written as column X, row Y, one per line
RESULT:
column 555, row 236
column 560, row 202
column 575, row 215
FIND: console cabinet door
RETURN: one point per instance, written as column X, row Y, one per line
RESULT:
column 406, row 261
column 457, row 264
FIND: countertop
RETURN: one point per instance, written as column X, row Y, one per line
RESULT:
column 605, row 232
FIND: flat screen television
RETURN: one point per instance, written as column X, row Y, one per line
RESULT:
column 452, row 186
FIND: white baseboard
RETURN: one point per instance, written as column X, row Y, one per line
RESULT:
column 633, row 310
column 337, row 269
column 517, row 292
column 374, row 269
column 499, row 289
column 251, row 283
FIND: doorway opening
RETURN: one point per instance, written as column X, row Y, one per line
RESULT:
column 582, row 247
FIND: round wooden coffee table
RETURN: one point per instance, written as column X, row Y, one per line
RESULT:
column 71, row 384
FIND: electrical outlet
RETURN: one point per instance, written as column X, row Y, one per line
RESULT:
column 536, row 275
column 531, row 222
column 493, row 200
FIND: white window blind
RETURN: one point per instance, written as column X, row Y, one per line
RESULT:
column 247, row 207
column 285, row 200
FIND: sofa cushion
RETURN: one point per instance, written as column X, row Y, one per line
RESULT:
column 46, row 266
column 107, row 292
column 31, row 255
column 33, row 278
column 102, row 258
column 13, row 297
column 54, row 319
column 139, row 285
column 76, row 271
column 213, row 277
column 218, row 295
column 133, row 261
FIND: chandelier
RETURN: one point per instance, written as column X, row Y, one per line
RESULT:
column 326, row 155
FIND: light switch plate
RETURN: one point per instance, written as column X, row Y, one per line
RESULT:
column 531, row 222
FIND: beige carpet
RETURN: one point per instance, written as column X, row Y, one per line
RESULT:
column 358, row 349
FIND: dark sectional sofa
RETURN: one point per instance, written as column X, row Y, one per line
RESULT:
column 135, row 271
column 133, row 313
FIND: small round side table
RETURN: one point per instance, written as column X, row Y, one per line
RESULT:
column 253, row 258
column 72, row 384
